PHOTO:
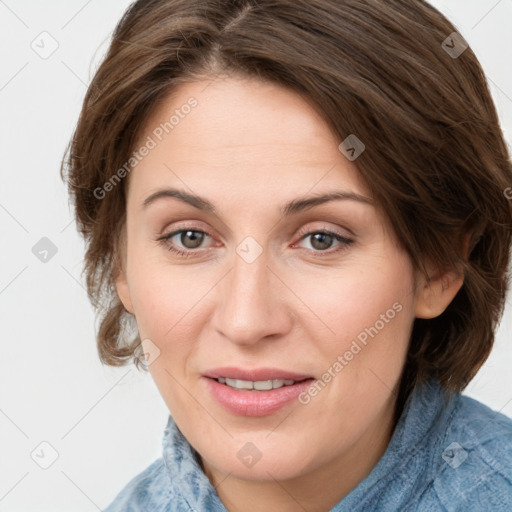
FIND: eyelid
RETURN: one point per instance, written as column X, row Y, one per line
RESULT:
column 192, row 226
column 311, row 230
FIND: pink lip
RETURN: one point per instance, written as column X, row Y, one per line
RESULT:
column 256, row 374
column 252, row 402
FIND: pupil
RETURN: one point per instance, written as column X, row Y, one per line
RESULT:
column 320, row 238
column 195, row 236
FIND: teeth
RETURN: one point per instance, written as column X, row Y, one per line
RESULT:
column 259, row 385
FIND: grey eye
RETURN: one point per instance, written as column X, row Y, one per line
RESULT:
column 190, row 239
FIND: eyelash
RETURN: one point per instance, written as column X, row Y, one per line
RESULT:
column 191, row 252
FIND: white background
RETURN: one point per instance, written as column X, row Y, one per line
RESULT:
column 107, row 423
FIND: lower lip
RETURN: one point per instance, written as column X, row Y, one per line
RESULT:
column 252, row 402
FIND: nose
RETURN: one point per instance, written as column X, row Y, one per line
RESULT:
column 252, row 303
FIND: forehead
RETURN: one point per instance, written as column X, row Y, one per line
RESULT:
column 242, row 131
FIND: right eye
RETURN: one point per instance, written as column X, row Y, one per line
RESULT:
column 191, row 237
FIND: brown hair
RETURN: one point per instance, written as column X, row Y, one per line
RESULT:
column 435, row 157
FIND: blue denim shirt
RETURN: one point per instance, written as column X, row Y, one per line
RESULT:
column 454, row 457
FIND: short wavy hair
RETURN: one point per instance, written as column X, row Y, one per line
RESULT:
column 385, row 70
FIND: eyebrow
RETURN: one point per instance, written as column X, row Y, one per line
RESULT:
column 290, row 208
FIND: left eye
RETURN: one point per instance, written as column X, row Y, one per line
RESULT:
column 322, row 240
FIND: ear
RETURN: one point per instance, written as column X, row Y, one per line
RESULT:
column 123, row 291
column 121, row 281
column 434, row 296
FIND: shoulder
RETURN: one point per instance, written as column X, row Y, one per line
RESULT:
column 474, row 470
column 149, row 490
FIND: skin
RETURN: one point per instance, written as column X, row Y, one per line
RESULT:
column 249, row 147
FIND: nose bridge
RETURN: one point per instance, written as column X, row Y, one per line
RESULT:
column 248, row 308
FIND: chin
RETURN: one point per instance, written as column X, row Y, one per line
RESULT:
column 263, row 465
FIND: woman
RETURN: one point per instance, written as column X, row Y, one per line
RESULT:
column 340, row 172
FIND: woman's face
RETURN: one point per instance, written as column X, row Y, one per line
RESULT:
column 260, row 286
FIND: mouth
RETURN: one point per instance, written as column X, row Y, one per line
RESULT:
column 255, row 375
column 258, row 385
column 255, row 398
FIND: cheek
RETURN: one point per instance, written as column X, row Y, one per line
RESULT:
column 161, row 296
column 366, row 312
column 359, row 293
column 172, row 303
column 166, row 302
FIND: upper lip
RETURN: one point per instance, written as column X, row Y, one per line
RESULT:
column 255, row 374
